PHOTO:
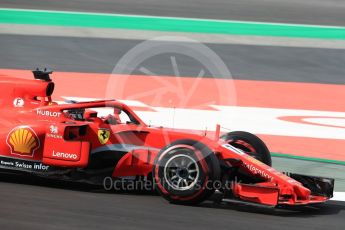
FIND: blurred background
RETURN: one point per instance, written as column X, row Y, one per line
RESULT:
column 272, row 67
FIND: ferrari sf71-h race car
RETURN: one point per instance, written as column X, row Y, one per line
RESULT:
column 81, row 141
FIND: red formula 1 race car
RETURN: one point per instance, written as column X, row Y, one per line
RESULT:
column 90, row 141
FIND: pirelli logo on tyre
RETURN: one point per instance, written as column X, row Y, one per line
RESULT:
column 23, row 141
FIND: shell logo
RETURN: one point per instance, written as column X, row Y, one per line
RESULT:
column 23, row 141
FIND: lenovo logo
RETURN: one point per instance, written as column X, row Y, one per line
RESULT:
column 67, row 156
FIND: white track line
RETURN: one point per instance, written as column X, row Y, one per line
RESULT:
column 339, row 196
column 265, row 121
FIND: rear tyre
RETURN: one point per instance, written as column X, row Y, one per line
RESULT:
column 250, row 144
column 186, row 172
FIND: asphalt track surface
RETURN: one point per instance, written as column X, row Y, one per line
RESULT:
column 244, row 62
column 317, row 12
column 28, row 204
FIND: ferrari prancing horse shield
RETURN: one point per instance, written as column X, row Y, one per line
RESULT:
column 103, row 136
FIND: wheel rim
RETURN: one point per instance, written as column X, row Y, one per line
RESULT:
column 181, row 172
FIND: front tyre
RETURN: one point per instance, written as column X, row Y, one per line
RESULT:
column 249, row 143
column 186, row 172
